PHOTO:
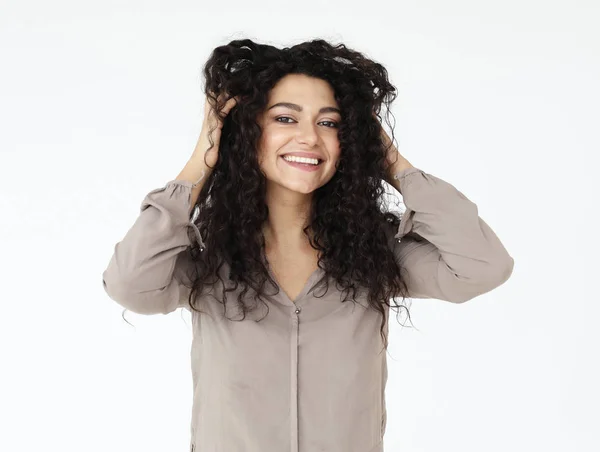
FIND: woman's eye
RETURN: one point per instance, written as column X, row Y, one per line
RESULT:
column 334, row 124
column 283, row 117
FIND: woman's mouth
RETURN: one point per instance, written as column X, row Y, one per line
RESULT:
column 303, row 166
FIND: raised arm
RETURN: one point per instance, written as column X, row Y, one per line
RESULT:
column 448, row 251
column 146, row 269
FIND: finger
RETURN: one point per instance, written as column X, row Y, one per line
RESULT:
column 230, row 104
column 224, row 95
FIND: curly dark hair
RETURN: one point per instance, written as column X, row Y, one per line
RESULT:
column 350, row 221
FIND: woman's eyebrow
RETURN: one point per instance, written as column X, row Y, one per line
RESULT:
column 299, row 108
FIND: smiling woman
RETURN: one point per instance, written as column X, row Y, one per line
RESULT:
column 294, row 203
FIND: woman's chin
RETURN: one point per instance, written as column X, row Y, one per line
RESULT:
column 299, row 187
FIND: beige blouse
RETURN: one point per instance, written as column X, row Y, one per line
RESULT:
column 311, row 375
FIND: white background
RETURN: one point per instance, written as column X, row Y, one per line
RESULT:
column 101, row 102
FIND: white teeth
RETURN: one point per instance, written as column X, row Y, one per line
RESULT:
column 291, row 158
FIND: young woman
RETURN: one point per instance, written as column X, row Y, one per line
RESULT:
column 282, row 202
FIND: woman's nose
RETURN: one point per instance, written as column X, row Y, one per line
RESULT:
column 307, row 134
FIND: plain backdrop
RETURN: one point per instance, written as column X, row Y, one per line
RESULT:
column 102, row 102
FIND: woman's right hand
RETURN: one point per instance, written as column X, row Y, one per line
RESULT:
column 211, row 119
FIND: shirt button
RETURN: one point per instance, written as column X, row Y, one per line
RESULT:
column 297, row 311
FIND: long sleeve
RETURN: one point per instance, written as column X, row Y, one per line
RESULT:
column 145, row 271
column 449, row 253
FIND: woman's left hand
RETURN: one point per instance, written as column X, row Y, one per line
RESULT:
column 395, row 162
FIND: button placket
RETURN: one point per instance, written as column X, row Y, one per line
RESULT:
column 294, row 383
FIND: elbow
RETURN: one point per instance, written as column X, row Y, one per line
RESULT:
column 508, row 268
column 146, row 303
column 501, row 272
column 469, row 288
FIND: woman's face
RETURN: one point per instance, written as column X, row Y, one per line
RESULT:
column 310, row 127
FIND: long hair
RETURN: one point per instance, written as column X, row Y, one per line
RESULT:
column 349, row 219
